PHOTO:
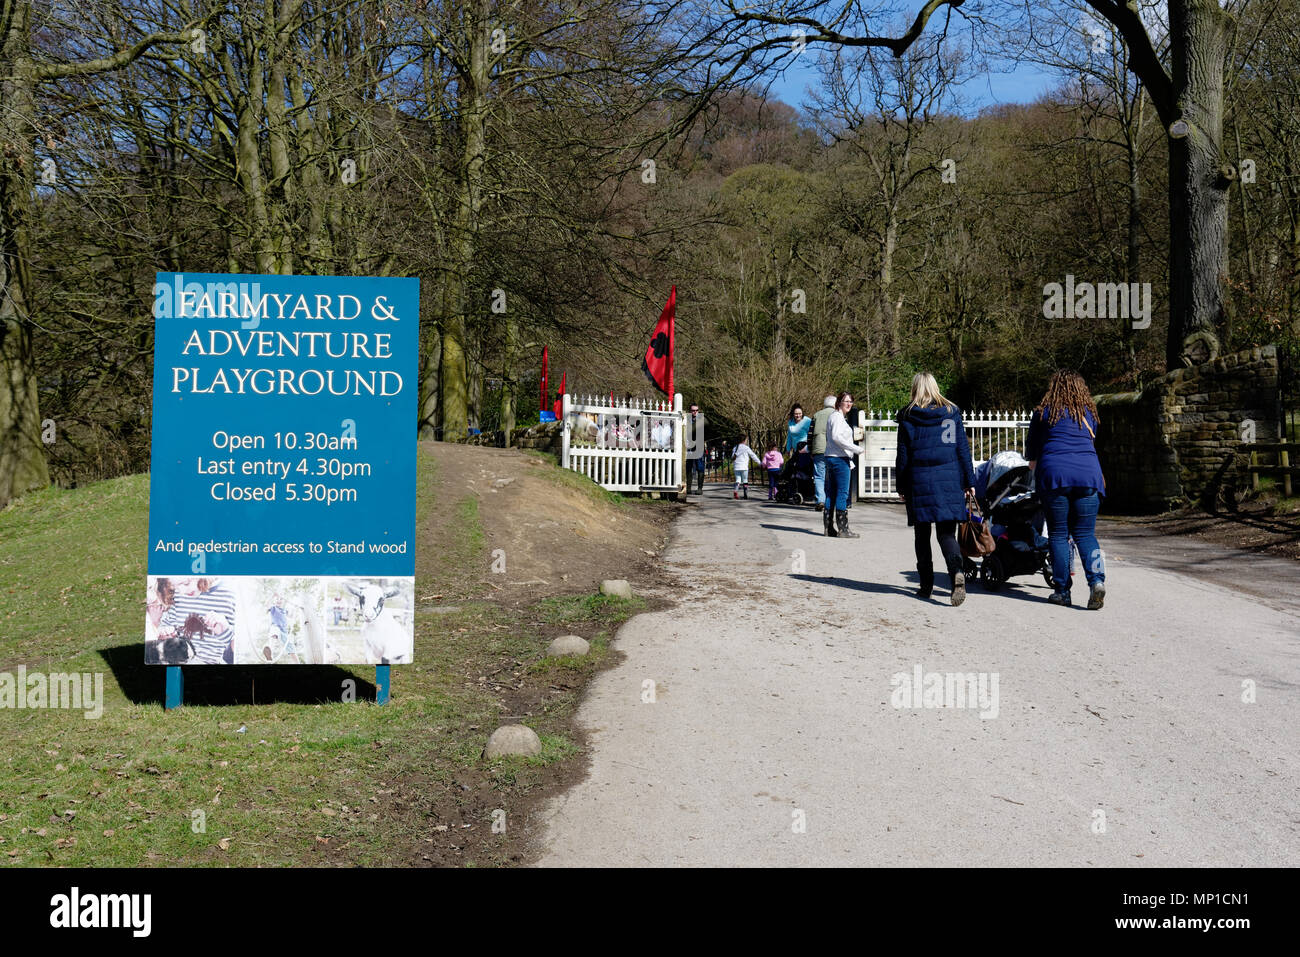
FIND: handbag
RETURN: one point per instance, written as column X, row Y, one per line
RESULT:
column 974, row 535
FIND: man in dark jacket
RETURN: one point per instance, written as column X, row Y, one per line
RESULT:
column 695, row 449
column 934, row 472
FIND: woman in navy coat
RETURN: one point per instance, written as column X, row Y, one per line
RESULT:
column 934, row 473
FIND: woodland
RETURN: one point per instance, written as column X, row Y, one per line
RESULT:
column 549, row 170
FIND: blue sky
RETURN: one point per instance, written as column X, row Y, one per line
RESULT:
column 1022, row 83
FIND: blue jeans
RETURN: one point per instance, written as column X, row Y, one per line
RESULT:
column 1072, row 513
column 819, row 477
column 837, row 483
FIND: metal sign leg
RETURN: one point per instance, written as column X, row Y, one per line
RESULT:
column 382, row 679
column 175, row 694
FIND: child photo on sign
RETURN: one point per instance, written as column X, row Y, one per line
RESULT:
column 191, row 620
column 287, row 622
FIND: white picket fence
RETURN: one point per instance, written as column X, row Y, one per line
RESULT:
column 987, row 432
column 624, row 445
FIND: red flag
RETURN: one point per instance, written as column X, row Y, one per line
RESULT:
column 545, row 394
column 658, row 362
column 559, row 396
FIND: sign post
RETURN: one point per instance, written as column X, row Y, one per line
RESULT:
column 282, row 487
column 175, row 691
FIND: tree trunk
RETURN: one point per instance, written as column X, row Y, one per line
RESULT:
column 1132, row 141
column 429, row 391
column 22, row 455
column 888, row 315
column 1199, row 179
column 452, row 378
column 476, row 387
column 455, row 379
column 508, row 380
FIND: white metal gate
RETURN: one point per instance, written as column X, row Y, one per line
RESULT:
column 632, row 445
column 987, row 432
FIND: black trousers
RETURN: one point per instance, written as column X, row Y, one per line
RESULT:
column 946, row 532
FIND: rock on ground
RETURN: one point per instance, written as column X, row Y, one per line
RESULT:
column 616, row 588
column 513, row 739
column 568, row 645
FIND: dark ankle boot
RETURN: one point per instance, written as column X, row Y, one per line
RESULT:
column 958, row 579
column 828, row 523
column 842, row 525
column 926, row 574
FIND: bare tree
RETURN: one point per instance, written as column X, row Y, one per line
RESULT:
column 889, row 112
column 1181, row 59
column 23, row 70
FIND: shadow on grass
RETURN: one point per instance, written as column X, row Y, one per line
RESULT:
column 233, row 684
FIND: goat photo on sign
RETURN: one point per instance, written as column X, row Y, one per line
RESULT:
column 371, row 620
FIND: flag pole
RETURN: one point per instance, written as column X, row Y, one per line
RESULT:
column 545, row 392
column 672, row 344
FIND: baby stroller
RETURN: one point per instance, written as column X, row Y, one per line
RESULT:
column 795, row 484
column 1004, row 486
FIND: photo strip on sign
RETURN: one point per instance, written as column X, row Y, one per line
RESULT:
column 282, row 486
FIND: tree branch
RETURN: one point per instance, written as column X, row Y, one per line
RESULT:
column 58, row 71
column 1144, row 60
column 824, row 34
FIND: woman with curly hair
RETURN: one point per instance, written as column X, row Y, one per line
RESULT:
column 1061, row 448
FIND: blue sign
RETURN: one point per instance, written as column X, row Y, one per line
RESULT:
column 282, row 489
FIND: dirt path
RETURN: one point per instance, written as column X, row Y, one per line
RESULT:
column 1120, row 736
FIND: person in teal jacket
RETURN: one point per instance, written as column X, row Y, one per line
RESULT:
column 796, row 429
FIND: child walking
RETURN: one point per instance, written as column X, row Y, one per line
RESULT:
column 772, row 461
column 741, row 455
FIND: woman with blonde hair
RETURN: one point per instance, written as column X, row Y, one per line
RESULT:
column 1061, row 448
column 934, row 475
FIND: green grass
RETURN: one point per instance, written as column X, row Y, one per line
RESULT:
column 311, row 778
column 72, row 571
column 576, row 609
column 555, row 748
column 567, row 478
column 471, row 526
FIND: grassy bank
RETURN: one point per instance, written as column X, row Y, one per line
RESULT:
column 270, row 765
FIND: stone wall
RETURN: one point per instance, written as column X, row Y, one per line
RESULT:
column 544, row 436
column 1179, row 438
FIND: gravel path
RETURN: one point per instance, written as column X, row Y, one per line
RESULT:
column 1120, row 736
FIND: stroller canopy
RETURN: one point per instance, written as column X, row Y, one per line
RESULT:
column 1004, row 479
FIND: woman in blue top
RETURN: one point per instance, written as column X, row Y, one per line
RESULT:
column 934, row 473
column 796, row 428
column 1061, row 448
